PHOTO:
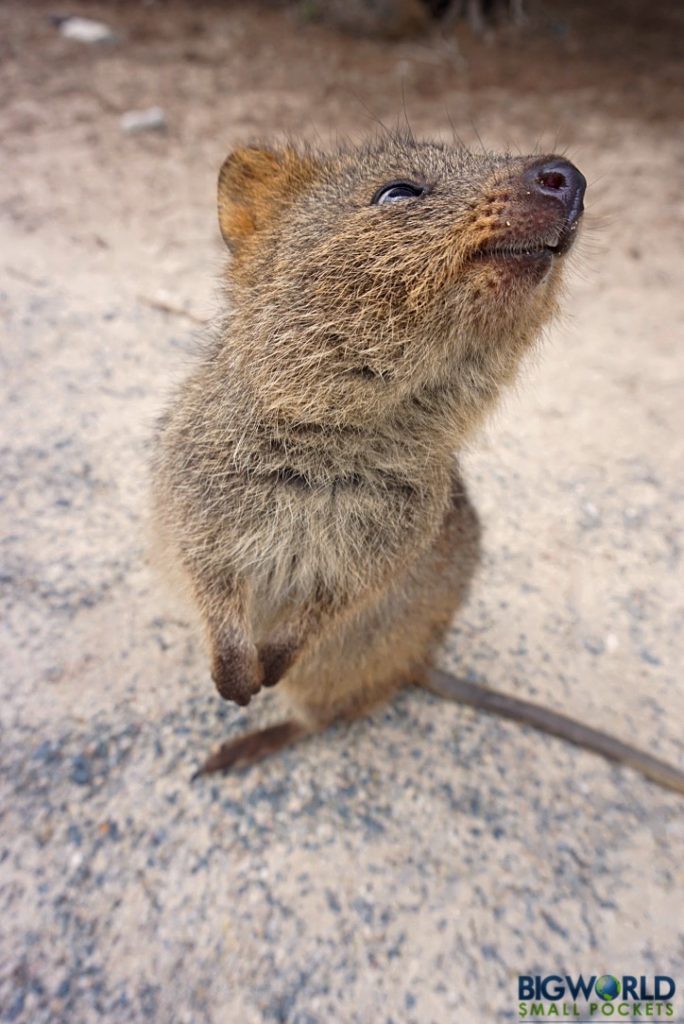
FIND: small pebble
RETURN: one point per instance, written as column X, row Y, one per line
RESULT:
column 591, row 515
column 63, row 989
column 149, row 120
column 45, row 752
column 85, row 30
column 81, row 771
column 74, row 835
column 15, row 1008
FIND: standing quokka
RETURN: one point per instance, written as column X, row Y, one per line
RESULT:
column 305, row 477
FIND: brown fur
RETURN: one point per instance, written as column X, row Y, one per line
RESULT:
column 305, row 476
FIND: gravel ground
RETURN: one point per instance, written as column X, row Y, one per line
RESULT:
column 408, row 868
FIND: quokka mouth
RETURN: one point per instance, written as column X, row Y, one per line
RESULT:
column 513, row 251
column 556, row 243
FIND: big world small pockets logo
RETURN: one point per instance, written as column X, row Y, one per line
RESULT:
column 597, row 997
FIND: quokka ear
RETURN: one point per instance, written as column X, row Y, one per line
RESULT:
column 253, row 183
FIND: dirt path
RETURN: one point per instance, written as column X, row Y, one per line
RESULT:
column 406, row 869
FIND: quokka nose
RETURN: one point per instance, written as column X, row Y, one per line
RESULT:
column 558, row 179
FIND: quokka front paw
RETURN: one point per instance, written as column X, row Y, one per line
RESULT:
column 276, row 659
column 236, row 670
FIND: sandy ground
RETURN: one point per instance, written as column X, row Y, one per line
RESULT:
column 408, row 868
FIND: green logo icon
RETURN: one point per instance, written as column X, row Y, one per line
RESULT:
column 608, row 987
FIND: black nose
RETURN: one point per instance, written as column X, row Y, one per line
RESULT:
column 558, row 179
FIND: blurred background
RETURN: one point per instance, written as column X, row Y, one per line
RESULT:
column 406, row 869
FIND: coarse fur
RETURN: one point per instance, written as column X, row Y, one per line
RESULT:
column 305, row 475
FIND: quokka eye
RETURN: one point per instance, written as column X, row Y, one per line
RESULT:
column 397, row 192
